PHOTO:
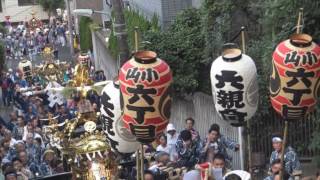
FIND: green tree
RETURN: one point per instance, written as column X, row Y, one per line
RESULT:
column 85, row 33
column 182, row 48
column 3, row 30
column 216, row 23
column 51, row 5
column 134, row 19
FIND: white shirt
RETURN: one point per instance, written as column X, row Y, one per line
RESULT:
column 25, row 133
column 165, row 149
column 13, row 142
column 171, row 140
column 171, row 144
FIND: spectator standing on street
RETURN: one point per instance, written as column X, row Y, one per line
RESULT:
column 216, row 143
column 190, row 127
column 291, row 160
column 5, row 85
column 188, row 150
column 163, row 146
column 172, row 137
column 18, row 129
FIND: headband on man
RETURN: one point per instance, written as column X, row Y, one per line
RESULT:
column 276, row 140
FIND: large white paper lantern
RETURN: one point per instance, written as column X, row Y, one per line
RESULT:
column 234, row 86
column 119, row 137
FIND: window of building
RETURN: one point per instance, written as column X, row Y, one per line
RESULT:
column 27, row 2
column 0, row 6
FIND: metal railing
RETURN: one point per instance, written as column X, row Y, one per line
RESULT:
column 299, row 135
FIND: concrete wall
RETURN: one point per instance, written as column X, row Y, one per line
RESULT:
column 197, row 3
column 91, row 4
column 20, row 13
column 102, row 59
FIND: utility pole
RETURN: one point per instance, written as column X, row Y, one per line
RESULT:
column 120, row 32
column 70, row 27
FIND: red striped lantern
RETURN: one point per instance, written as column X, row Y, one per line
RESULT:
column 294, row 83
column 144, row 85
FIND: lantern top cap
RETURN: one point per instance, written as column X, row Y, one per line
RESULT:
column 301, row 40
column 145, row 57
column 231, row 54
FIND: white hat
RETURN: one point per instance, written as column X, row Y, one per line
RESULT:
column 170, row 127
column 10, row 70
column 244, row 175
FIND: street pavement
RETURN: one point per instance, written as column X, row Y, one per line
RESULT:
column 64, row 55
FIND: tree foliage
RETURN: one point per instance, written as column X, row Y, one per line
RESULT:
column 134, row 19
column 181, row 47
column 51, row 5
column 85, row 33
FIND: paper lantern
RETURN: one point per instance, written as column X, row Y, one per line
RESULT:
column 120, row 138
column 234, row 86
column 294, row 83
column 144, row 86
column 84, row 59
column 25, row 67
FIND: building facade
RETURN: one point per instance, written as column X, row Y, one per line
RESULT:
column 197, row 3
column 20, row 10
column 166, row 10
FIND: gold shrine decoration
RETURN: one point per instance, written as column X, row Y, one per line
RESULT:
column 81, row 139
column 34, row 22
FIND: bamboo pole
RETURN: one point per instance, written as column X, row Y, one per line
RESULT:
column 243, row 40
column 138, row 164
column 300, row 17
column 136, row 41
column 142, row 162
column 284, row 142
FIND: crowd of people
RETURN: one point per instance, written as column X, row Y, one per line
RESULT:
column 187, row 149
column 25, row 150
column 21, row 41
